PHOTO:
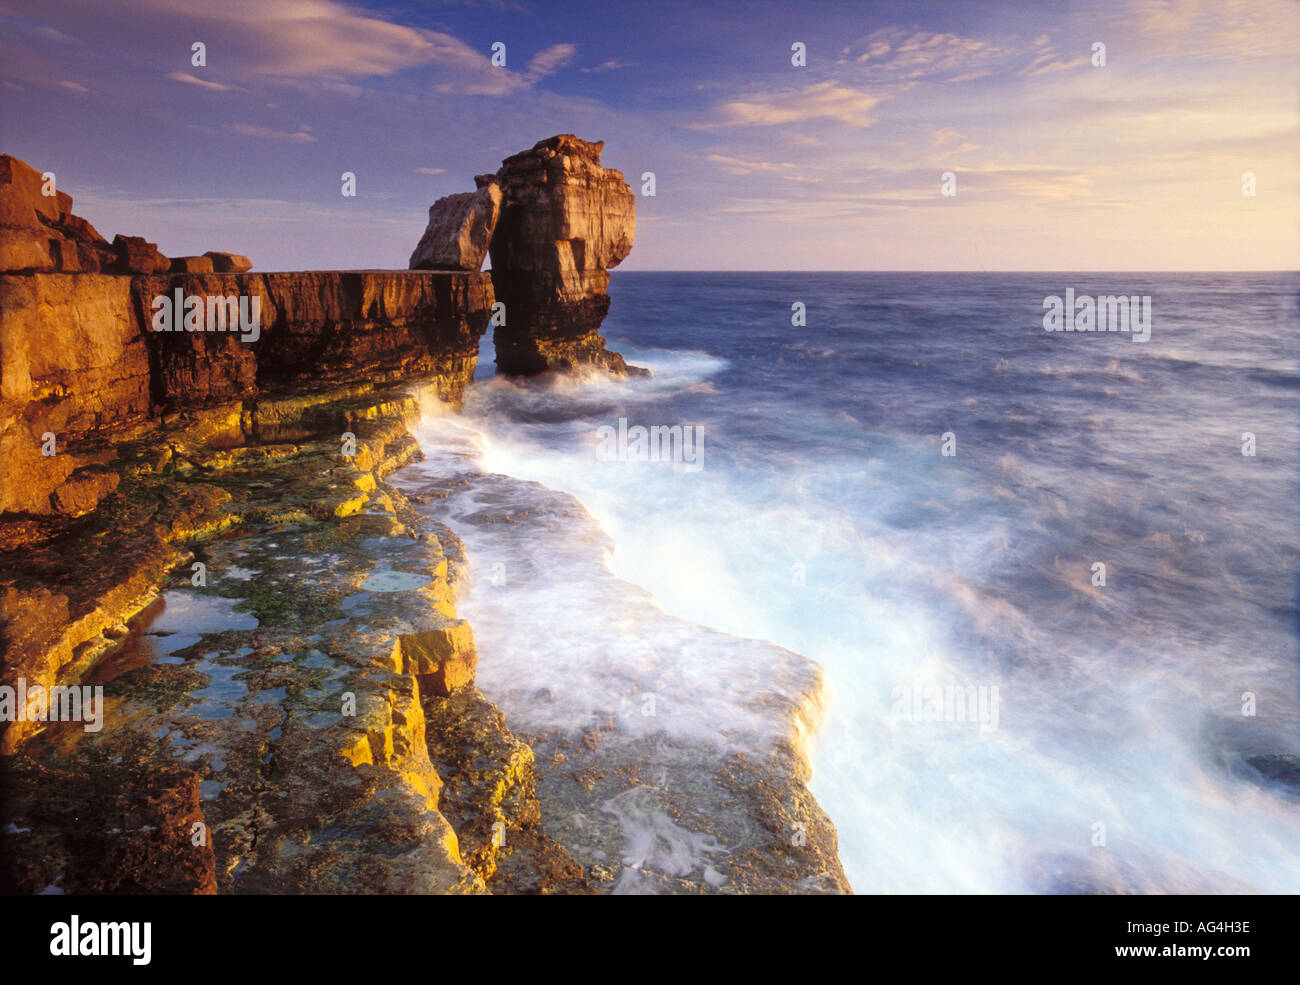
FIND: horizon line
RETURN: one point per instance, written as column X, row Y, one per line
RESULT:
column 917, row 270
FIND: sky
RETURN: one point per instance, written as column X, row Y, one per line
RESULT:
column 758, row 163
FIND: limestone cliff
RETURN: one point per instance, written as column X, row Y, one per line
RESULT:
column 80, row 358
column 197, row 516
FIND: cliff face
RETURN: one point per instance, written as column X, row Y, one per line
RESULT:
column 81, row 359
column 80, row 356
column 322, row 326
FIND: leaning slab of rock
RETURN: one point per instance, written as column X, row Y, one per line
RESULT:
column 459, row 230
column 228, row 263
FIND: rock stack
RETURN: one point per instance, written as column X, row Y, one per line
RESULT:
column 564, row 221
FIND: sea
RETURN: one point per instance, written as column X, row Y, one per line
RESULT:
column 1050, row 576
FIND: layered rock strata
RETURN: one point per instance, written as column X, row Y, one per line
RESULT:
column 300, row 702
column 81, row 361
column 39, row 233
column 565, row 221
column 201, row 523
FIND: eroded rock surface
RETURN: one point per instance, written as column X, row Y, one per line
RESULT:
column 565, row 221
column 460, row 228
column 228, row 263
column 302, row 699
column 202, row 524
column 38, row 231
column 82, row 363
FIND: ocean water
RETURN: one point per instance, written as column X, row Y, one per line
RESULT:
column 821, row 514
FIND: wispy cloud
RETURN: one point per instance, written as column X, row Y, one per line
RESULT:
column 320, row 41
column 302, row 135
column 550, row 60
column 1246, row 29
column 477, row 76
column 608, row 65
column 734, row 165
column 1051, row 62
column 915, row 53
column 821, row 101
column 740, row 168
column 194, row 80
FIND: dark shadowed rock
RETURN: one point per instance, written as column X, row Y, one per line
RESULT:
column 460, row 227
column 117, row 829
column 136, row 256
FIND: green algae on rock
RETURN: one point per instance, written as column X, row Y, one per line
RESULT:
column 263, row 673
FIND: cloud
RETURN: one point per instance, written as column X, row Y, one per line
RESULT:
column 291, row 40
column 1237, row 29
column 822, row 101
column 487, row 80
column 73, row 86
column 477, row 75
column 196, row 81
column 1050, row 63
column 430, row 170
column 315, row 38
column 608, row 65
column 915, row 53
column 734, row 165
column 53, row 35
column 301, row 136
column 550, row 60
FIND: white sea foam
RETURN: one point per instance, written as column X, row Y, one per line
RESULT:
column 1104, row 772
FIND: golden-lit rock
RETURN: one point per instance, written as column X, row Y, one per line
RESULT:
column 459, row 230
